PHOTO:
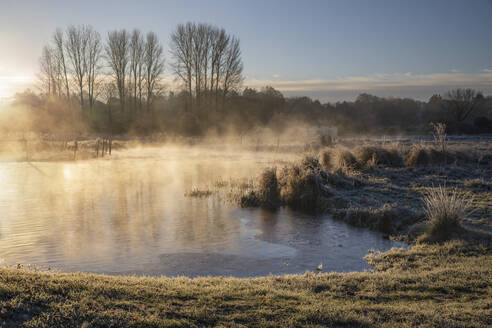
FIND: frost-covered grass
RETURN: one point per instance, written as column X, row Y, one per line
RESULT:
column 427, row 286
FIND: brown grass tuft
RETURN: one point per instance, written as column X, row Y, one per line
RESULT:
column 444, row 211
column 375, row 156
column 418, row 156
column 339, row 160
column 268, row 193
column 302, row 185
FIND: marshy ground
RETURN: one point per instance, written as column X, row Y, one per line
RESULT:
column 381, row 185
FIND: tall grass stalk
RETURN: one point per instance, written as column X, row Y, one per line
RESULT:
column 445, row 212
column 440, row 135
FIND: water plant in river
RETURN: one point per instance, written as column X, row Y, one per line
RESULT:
column 196, row 192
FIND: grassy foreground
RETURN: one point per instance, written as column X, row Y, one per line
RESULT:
column 428, row 286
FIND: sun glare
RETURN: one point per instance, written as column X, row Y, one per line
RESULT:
column 67, row 172
column 3, row 88
column 9, row 85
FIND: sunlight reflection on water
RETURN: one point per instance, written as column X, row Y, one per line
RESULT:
column 129, row 215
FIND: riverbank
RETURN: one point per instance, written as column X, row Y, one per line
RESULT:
column 381, row 187
column 426, row 286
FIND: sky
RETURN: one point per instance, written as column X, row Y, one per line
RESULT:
column 328, row 50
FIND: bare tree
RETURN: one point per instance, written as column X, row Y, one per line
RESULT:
column 461, row 102
column 233, row 67
column 154, row 66
column 219, row 44
column 47, row 75
column 76, row 45
column 201, row 42
column 182, row 53
column 92, row 59
column 108, row 93
column 206, row 60
column 136, row 66
column 59, row 49
column 117, row 50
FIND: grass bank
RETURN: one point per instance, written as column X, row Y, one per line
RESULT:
column 427, row 286
column 379, row 187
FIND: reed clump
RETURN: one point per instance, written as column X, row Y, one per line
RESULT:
column 445, row 212
column 371, row 156
column 198, row 193
column 300, row 186
column 424, row 155
column 421, row 155
column 339, row 160
column 268, row 190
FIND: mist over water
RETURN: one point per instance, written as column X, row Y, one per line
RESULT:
column 129, row 215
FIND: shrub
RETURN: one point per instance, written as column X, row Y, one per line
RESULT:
column 445, row 212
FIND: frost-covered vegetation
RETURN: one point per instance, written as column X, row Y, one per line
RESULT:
column 406, row 289
column 407, row 191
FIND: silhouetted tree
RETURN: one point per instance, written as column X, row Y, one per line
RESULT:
column 47, row 75
column 182, row 53
column 206, row 60
column 92, row 63
column 76, row 46
column 117, row 49
column 59, row 48
column 233, row 67
column 461, row 102
column 154, row 67
column 137, row 52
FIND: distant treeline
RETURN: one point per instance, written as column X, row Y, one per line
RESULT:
column 244, row 112
column 115, row 85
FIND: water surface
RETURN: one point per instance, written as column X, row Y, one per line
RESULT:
column 129, row 215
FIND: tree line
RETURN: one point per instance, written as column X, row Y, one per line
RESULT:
column 127, row 67
column 115, row 84
column 78, row 64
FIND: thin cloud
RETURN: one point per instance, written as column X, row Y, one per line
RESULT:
column 481, row 81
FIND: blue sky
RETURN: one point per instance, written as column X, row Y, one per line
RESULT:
column 331, row 50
